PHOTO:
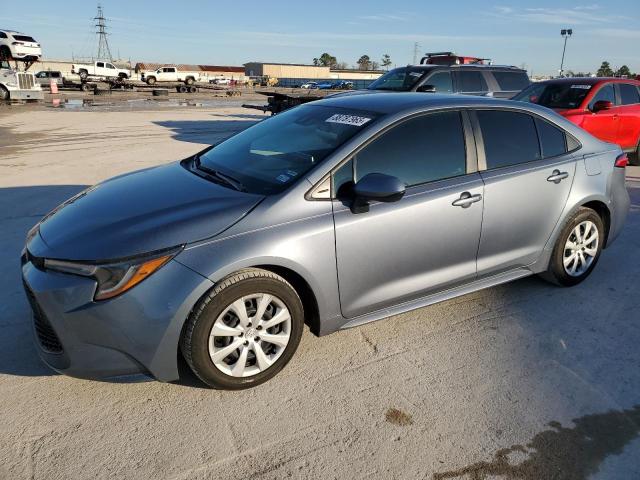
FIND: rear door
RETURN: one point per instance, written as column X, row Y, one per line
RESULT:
column 528, row 173
column 628, row 112
column 603, row 124
column 428, row 240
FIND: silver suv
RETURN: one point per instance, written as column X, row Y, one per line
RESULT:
column 334, row 214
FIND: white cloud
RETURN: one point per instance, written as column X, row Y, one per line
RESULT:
column 580, row 15
column 385, row 17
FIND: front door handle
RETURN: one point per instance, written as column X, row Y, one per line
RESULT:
column 466, row 199
column 557, row 176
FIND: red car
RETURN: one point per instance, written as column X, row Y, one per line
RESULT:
column 607, row 108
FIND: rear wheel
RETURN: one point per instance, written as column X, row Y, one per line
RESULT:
column 151, row 80
column 577, row 249
column 5, row 53
column 189, row 81
column 83, row 75
column 244, row 331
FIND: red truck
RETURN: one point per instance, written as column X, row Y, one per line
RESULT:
column 608, row 108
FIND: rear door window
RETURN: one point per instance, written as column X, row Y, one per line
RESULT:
column 628, row 94
column 423, row 149
column 552, row 140
column 510, row 138
column 442, row 82
column 100, row 64
column 514, row 81
column 471, row 81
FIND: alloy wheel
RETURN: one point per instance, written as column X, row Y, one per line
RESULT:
column 250, row 335
column 581, row 248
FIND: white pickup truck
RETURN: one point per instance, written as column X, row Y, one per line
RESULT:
column 169, row 74
column 18, row 85
column 100, row 69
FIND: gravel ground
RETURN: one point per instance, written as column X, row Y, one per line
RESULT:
column 524, row 381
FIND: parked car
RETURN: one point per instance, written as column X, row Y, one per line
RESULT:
column 310, row 216
column 608, row 108
column 170, row 74
column 309, row 85
column 343, row 85
column 220, row 81
column 18, row 46
column 325, row 85
column 472, row 79
column 44, row 77
column 101, row 69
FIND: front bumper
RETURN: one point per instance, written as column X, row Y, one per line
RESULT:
column 137, row 332
column 26, row 94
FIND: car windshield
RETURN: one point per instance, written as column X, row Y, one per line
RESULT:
column 399, row 79
column 555, row 95
column 270, row 156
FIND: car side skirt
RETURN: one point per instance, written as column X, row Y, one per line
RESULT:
column 471, row 287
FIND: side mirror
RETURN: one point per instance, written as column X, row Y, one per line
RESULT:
column 602, row 105
column 377, row 187
column 426, row 89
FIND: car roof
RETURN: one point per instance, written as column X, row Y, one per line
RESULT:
column 397, row 102
column 588, row 80
column 470, row 66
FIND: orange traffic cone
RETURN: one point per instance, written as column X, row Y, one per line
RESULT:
column 53, row 86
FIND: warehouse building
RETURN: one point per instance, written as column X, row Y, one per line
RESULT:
column 289, row 74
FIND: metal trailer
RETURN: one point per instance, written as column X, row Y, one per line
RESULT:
column 279, row 100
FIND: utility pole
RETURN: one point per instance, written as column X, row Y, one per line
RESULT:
column 566, row 33
column 416, row 46
column 104, row 53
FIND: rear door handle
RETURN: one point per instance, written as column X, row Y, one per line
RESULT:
column 466, row 199
column 557, row 176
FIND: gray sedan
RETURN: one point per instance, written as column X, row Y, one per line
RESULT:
column 334, row 214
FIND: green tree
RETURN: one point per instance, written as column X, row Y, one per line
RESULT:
column 623, row 71
column 327, row 60
column 316, row 62
column 605, row 70
column 364, row 62
column 386, row 61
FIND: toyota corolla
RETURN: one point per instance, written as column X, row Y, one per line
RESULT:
column 332, row 214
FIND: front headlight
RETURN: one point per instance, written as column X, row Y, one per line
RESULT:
column 116, row 277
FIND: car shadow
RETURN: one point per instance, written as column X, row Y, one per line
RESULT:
column 206, row 131
column 20, row 209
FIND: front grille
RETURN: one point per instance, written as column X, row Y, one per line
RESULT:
column 46, row 335
column 25, row 81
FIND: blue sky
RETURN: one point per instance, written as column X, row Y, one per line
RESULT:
column 234, row 32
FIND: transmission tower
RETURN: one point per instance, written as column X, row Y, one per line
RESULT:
column 416, row 46
column 104, row 52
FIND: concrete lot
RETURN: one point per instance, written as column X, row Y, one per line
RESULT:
column 525, row 381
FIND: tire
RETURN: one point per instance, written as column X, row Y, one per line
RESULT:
column 4, row 94
column 160, row 92
column 182, row 89
column 151, row 80
column 83, row 75
column 85, row 87
column 192, row 89
column 189, row 81
column 219, row 306
column 558, row 273
column 5, row 53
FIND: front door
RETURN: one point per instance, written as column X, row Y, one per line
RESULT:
column 603, row 124
column 400, row 251
column 527, row 183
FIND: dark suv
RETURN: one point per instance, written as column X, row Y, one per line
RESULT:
column 489, row 80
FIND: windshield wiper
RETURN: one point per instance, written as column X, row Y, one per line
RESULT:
column 219, row 176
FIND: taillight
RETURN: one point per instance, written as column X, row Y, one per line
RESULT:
column 621, row 160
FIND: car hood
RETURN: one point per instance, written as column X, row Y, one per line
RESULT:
column 140, row 212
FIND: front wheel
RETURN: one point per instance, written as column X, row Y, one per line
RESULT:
column 83, row 75
column 577, row 249
column 4, row 93
column 151, row 80
column 244, row 331
column 189, row 81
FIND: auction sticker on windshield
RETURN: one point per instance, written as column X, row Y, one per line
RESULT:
column 354, row 120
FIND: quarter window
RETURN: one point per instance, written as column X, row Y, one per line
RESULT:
column 510, row 138
column 628, row 94
column 606, row 93
column 511, row 81
column 471, row 82
column 423, row 149
column 442, row 82
column 552, row 139
column 100, row 64
column 3, row 35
